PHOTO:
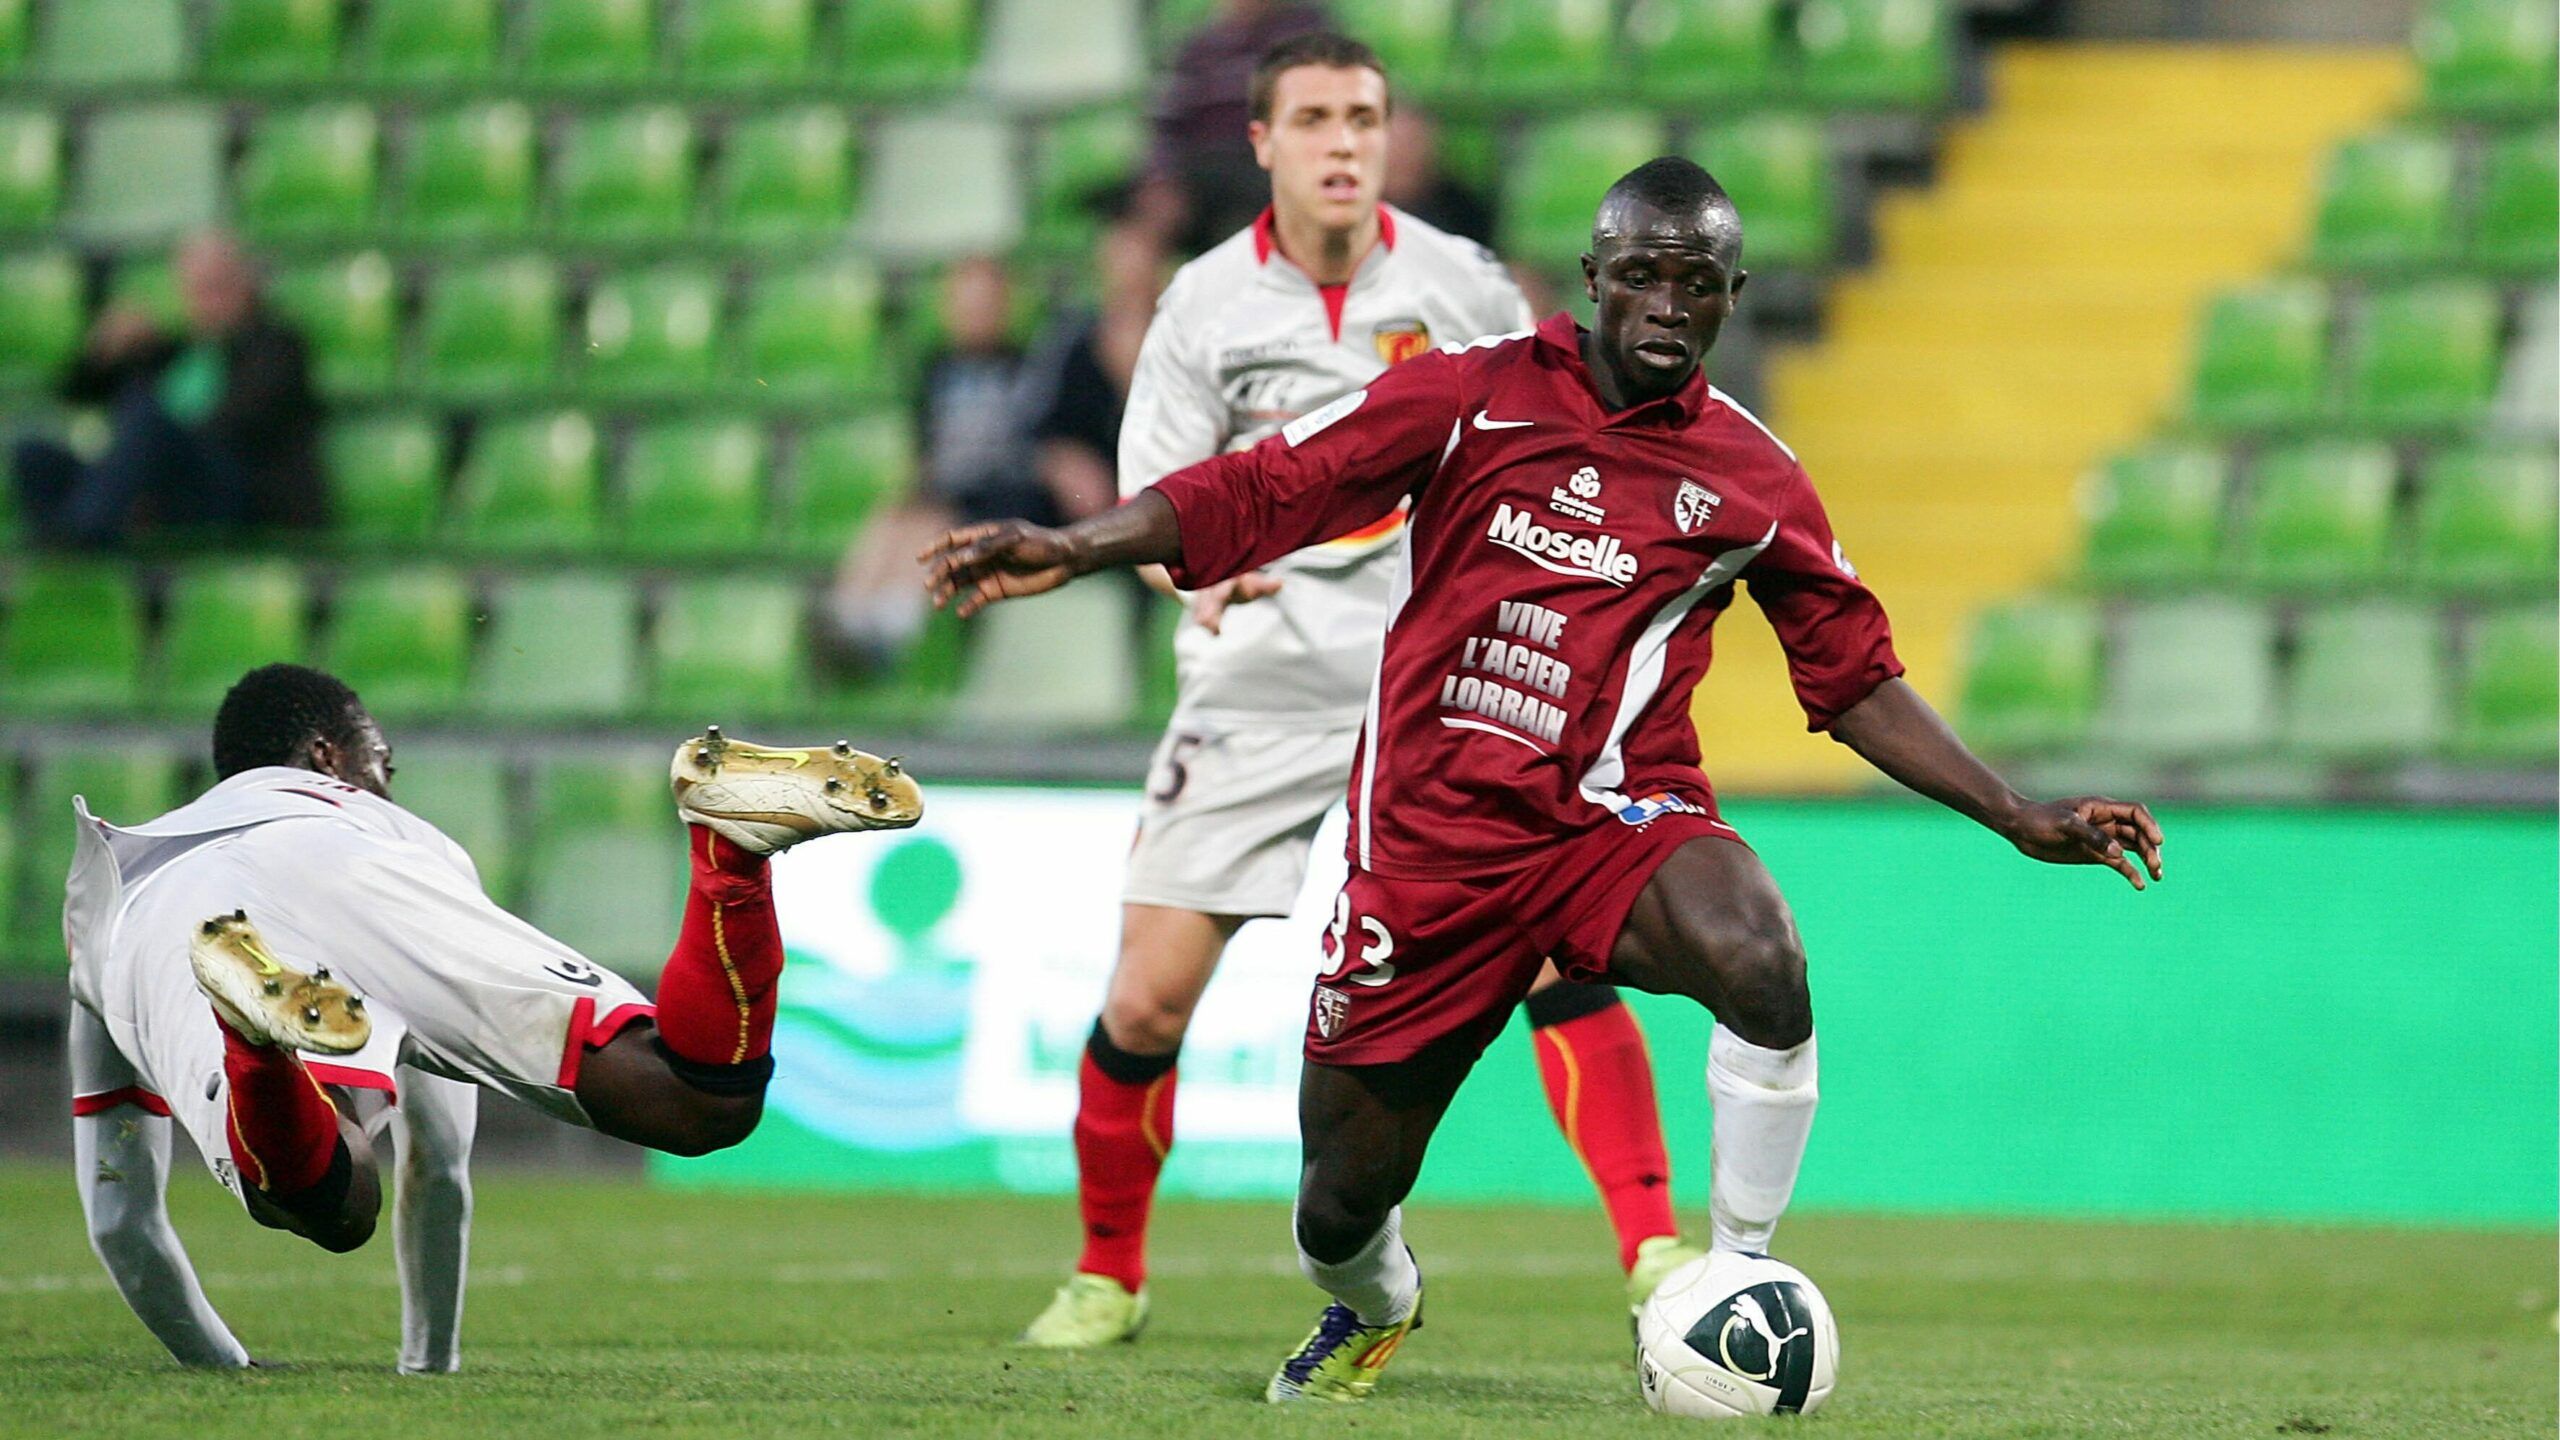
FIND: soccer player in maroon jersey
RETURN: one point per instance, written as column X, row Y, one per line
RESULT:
column 1582, row 505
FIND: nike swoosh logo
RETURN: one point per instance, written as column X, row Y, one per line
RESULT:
column 1484, row 424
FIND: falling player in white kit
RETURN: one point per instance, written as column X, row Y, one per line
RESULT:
column 1322, row 293
column 294, row 908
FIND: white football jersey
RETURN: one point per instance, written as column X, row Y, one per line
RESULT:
column 1243, row 342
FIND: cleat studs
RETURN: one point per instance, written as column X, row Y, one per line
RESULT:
column 320, row 974
column 879, row 798
column 272, row 988
column 311, row 1014
column 212, row 927
column 844, row 749
column 711, row 733
column 894, row 765
column 355, row 1004
column 240, row 915
column 835, row 785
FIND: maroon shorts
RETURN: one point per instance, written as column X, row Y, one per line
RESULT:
column 1419, row 962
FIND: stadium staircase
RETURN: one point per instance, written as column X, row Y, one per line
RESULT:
column 2026, row 312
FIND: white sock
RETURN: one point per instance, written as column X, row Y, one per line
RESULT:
column 1380, row 1283
column 122, row 1160
column 1764, row 1103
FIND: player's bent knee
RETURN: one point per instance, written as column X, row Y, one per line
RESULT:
column 1144, row 1022
column 1333, row 1225
column 1762, row 989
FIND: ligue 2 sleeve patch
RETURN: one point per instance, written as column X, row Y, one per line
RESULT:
column 1297, row 431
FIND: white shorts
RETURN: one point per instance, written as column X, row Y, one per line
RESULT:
column 455, row 985
column 1229, row 815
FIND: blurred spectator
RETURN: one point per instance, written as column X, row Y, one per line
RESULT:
column 1202, row 184
column 1417, row 185
column 216, row 426
column 1075, row 382
column 972, row 463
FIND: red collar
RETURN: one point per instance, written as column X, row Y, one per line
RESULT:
column 1266, row 234
column 1561, row 333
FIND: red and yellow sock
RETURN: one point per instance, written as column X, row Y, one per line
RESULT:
column 282, row 1128
column 1599, row 1080
column 716, row 996
column 1124, row 1129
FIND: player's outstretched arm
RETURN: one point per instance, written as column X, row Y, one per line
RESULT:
column 975, row 566
column 431, row 1132
column 1901, row 734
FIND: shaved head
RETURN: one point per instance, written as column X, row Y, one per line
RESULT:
column 1669, row 195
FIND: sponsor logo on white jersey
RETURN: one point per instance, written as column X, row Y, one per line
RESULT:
column 1595, row 557
column 1694, row 505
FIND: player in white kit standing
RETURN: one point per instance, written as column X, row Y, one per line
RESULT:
column 1322, row 293
column 203, row 945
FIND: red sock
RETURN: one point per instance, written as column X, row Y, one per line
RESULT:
column 1600, row 1085
column 283, row 1130
column 1123, row 1129
column 716, row 996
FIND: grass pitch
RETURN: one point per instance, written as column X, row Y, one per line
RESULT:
column 612, row 1310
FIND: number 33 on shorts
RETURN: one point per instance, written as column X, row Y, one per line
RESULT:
column 1375, row 946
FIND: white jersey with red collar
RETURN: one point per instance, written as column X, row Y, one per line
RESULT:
column 1243, row 343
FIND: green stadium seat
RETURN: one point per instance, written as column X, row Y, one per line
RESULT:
column 2368, row 683
column 2387, row 203
column 148, row 174
column 1413, row 38
column 2191, row 679
column 845, row 471
column 149, row 283
column 2319, row 515
column 2511, row 687
column 350, row 310
column 432, row 42
column 73, row 640
column 571, row 43
column 2426, row 357
column 559, row 648
column 614, row 895
column 223, row 620
column 814, row 333
column 1048, row 54
column 748, row 44
column 2519, row 221
column 694, row 487
column 104, row 44
column 13, row 53
column 402, row 638
column 2486, row 519
column 490, row 329
column 1082, row 159
column 126, row 783
column 39, row 318
column 308, row 173
column 470, row 173
column 600, row 792
column 786, row 175
column 905, row 47
column 2486, row 57
column 729, row 646
column 1550, row 192
column 937, row 185
column 386, row 478
column 2031, row 679
column 530, row 484
column 652, row 333
column 1778, row 170
column 2155, row 515
column 2263, row 360
column 1540, row 51
column 1170, row 22
column 463, row 791
column 1691, row 51
column 1876, row 54
column 30, row 169
column 272, row 42
column 625, row 175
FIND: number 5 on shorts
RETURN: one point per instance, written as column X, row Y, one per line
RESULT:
column 1373, row 954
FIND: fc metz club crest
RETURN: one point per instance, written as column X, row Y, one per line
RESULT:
column 1332, row 1008
column 1401, row 340
column 1694, row 506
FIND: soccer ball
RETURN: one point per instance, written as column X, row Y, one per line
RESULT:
column 1736, row 1335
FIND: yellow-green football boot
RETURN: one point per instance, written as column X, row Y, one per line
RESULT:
column 1088, row 1311
column 1655, row 1259
column 1342, row 1358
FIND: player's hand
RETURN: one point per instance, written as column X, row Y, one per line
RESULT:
column 975, row 566
column 2090, row 830
column 1209, row 607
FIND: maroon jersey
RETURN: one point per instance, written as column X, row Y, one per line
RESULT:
column 1563, row 567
